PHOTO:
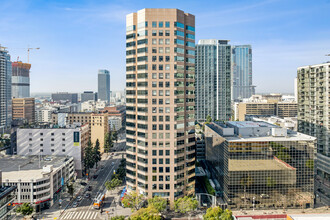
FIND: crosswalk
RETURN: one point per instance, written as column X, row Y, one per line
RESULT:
column 80, row 215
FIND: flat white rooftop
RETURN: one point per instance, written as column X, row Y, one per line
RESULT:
column 27, row 167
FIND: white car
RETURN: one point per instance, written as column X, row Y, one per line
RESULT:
column 74, row 205
column 79, row 198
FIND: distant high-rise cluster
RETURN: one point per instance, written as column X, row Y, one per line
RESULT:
column 223, row 75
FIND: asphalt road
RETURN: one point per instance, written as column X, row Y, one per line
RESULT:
column 85, row 209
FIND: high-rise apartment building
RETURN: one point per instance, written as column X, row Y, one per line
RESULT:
column 313, row 112
column 24, row 108
column 242, row 72
column 104, row 85
column 160, row 100
column 5, row 90
column 213, row 80
column 20, row 80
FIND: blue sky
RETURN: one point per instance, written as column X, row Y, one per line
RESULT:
column 78, row 37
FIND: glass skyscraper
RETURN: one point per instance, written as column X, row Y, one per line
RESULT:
column 213, row 80
column 5, row 90
column 242, row 72
column 104, row 85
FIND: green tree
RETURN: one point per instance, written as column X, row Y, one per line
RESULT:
column 133, row 200
column 70, row 188
column 185, row 204
column 158, row 203
column 114, row 133
column 119, row 217
column 111, row 185
column 25, row 209
column 108, row 142
column 227, row 215
column 208, row 119
column 149, row 213
column 213, row 213
column 96, row 152
column 88, row 157
column 217, row 213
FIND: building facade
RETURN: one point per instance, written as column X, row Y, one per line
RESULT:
column 65, row 96
column 242, row 72
column 116, row 116
column 213, row 80
column 38, row 180
column 98, row 124
column 313, row 113
column 280, row 109
column 88, row 96
column 5, row 90
column 54, row 142
column 260, row 165
column 20, row 80
column 103, row 92
column 160, row 100
column 24, row 108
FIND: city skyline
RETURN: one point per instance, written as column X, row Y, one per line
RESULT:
column 273, row 28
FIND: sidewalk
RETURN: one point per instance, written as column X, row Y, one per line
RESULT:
column 115, row 209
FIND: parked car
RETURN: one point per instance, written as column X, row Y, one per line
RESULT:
column 89, row 188
column 83, row 184
column 95, row 176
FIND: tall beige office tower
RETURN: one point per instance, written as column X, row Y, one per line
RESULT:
column 160, row 72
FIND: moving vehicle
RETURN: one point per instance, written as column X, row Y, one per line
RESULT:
column 87, row 195
column 89, row 188
column 75, row 204
column 98, row 201
column 79, row 198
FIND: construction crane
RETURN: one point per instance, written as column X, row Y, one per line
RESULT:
column 28, row 51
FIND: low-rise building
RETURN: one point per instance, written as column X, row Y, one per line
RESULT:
column 39, row 179
column 260, row 165
column 54, row 142
column 65, row 96
column 24, row 108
